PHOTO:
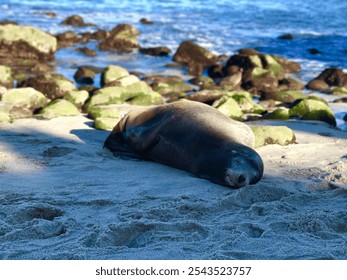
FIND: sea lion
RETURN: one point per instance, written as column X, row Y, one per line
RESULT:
column 191, row 136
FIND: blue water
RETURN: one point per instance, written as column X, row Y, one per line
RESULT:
column 221, row 26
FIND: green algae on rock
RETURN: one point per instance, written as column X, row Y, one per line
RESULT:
column 28, row 98
column 309, row 109
column 6, row 78
column 105, row 123
column 57, row 108
column 265, row 135
column 229, row 107
column 26, row 42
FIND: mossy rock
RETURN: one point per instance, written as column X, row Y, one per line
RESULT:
column 273, row 66
column 229, row 107
column 127, row 81
column 309, row 109
column 280, row 113
column 28, row 98
column 6, row 79
column 113, row 73
column 246, row 103
column 58, row 108
column 339, row 91
column 43, row 43
column 5, row 115
column 286, row 96
column 110, row 111
column 172, row 86
column 77, row 97
column 106, row 96
column 265, row 135
column 105, row 123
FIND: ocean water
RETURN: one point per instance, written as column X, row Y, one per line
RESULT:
column 221, row 26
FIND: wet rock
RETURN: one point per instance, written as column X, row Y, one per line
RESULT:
column 309, row 109
column 196, row 57
column 259, row 85
column 265, row 135
column 77, row 97
column 146, row 21
column 25, row 99
column 121, row 38
column 26, row 42
column 286, row 36
column 202, row 82
column 345, row 118
column 6, row 79
column 287, row 65
column 58, row 108
column 229, row 107
column 156, row 51
column 87, row 51
column 318, row 85
column 247, row 51
column 84, row 75
column 67, row 39
column 53, row 86
column 112, row 73
column 333, row 77
column 75, row 20
column 280, row 113
column 284, row 96
column 314, row 51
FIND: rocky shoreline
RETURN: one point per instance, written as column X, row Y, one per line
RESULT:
column 30, row 86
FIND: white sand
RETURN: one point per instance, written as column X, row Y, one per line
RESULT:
column 63, row 197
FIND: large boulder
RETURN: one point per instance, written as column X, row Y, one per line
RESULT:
column 121, row 38
column 112, row 73
column 77, row 97
column 26, row 42
column 310, row 109
column 284, row 96
column 196, row 57
column 229, row 107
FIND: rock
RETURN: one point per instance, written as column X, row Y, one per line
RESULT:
column 314, row 51
column 284, row 96
column 125, row 81
column 290, row 84
column 246, row 51
column 196, row 57
column 111, row 111
column 280, row 113
column 5, row 112
column 26, row 42
column 202, row 82
column 84, row 75
column 318, row 85
column 339, row 90
column 105, row 123
column 265, row 135
column 77, row 97
column 53, row 86
column 68, row 39
column 156, row 51
column 345, row 118
column 27, row 99
column 169, row 85
column 113, row 73
column 261, row 85
column 229, row 107
column 287, row 65
column 146, row 21
column 6, row 79
column 286, row 36
column 333, row 77
column 121, row 38
column 309, row 109
column 206, row 96
column 137, row 94
column 75, row 20
column 216, row 71
column 87, row 51
column 58, row 108
column 245, row 102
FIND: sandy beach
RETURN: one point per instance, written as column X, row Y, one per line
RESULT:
column 64, row 197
